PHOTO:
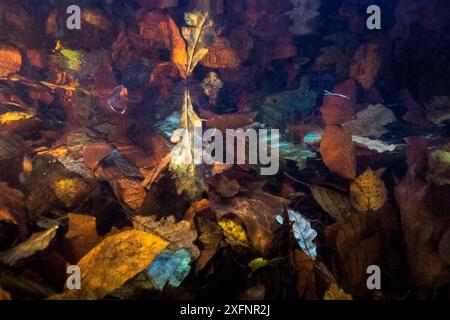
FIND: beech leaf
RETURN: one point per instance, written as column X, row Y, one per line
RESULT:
column 368, row 192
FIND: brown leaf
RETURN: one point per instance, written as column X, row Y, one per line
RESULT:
column 338, row 152
column 415, row 113
column 221, row 55
column 132, row 192
column 37, row 242
column 421, row 223
column 94, row 153
column 81, row 237
column 4, row 295
column 365, row 64
column 12, row 208
column 368, row 192
column 257, row 211
column 227, row 121
column 335, row 204
column 337, row 109
column 336, row 293
column 10, row 60
column 178, row 234
column 306, row 279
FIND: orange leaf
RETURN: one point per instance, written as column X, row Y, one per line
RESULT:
column 337, row 109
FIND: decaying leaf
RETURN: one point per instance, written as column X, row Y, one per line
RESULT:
column 132, row 192
column 438, row 110
column 12, row 208
column 335, row 204
column 375, row 145
column 221, row 55
column 336, row 293
column 37, row 242
column 258, row 263
column 111, row 263
column 370, row 122
column 368, row 192
column 366, row 64
column 169, row 267
column 184, row 158
column 340, row 105
column 4, row 295
column 439, row 165
column 94, row 153
column 338, row 152
column 69, row 191
column 416, row 113
column 227, row 187
column 178, row 234
column 10, row 60
column 303, row 16
column 234, row 231
column 306, row 279
column 81, row 237
column 212, row 86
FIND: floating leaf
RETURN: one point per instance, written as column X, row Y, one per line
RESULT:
column 183, row 162
column 169, row 267
column 370, row 122
column 335, row 204
column 234, row 231
column 37, row 242
column 178, row 234
column 368, row 192
column 111, row 263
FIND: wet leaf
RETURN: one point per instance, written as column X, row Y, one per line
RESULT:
column 71, row 190
column 111, row 263
column 178, row 234
column 335, row 204
column 306, row 279
column 375, row 145
column 221, row 55
column 439, row 166
column 234, row 231
column 370, row 122
column 169, row 267
column 37, row 242
column 339, row 106
column 258, row 263
column 10, row 60
column 368, row 192
column 336, row 293
column 416, row 113
column 438, row 110
column 338, row 152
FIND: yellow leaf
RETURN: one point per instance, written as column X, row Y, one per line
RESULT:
column 111, row 263
column 368, row 192
column 70, row 190
column 233, row 231
column 336, row 293
column 14, row 116
column 258, row 263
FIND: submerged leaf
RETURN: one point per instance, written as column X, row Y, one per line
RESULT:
column 169, row 267
column 336, row 293
column 178, row 234
column 335, row 204
column 368, row 192
column 111, row 263
column 233, row 231
column 184, row 163
column 38, row 242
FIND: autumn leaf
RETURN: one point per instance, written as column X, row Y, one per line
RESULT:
column 338, row 152
column 111, row 263
column 36, row 243
column 335, row 204
column 189, row 178
column 438, row 109
column 340, row 105
column 94, row 153
column 258, row 263
column 303, row 16
column 70, row 190
column 211, row 86
column 366, row 64
column 10, row 60
column 439, row 166
column 368, row 192
column 234, row 231
column 12, row 208
column 81, row 237
column 14, row 116
column 178, row 234
column 221, row 55
column 306, row 279
column 336, row 293
column 416, row 113
column 370, row 122
column 199, row 25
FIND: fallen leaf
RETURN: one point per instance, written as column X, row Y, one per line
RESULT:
column 370, row 122
column 178, row 234
column 10, row 60
column 169, row 267
column 131, row 192
column 111, row 263
column 227, row 187
column 306, row 279
column 335, row 204
column 303, row 16
column 12, row 208
column 340, row 105
column 211, row 86
column 366, row 64
column 70, row 191
column 81, row 237
column 375, row 145
column 221, row 55
column 36, row 243
column 4, row 295
column 438, row 110
column 94, row 153
column 258, row 263
column 368, row 192
column 234, row 231
column 416, row 113
column 439, row 166
column 336, row 293
column 338, row 152
column 210, row 237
